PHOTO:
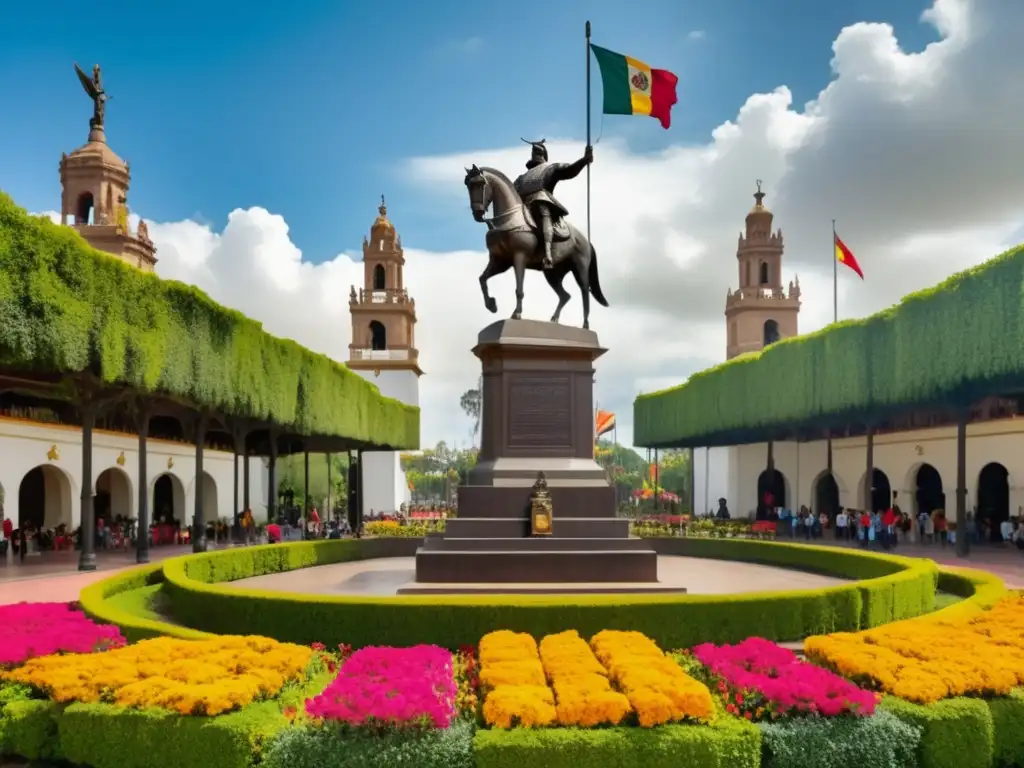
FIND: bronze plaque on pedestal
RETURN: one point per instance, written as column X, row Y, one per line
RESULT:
column 539, row 411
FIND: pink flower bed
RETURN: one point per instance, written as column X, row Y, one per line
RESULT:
column 766, row 680
column 28, row 630
column 399, row 687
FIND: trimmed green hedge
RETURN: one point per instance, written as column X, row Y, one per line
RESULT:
column 66, row 308
column 890, row 588
column 727, row 743
column 955, row 342
column 117, row 600
column 108, row 736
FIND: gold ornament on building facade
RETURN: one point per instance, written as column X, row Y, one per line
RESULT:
column 170, row 462
column 53, row 454
column 120, row 459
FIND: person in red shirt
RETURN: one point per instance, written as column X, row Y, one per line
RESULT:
column 863, row 524
column 889, row 528
column 8, row 528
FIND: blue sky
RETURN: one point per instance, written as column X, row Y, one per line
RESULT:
column 309, row 108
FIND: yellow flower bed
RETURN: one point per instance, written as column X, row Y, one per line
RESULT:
column 657, row 688
column 191, row 677
column 925, row 661
column 511, row 674
column 585, row 696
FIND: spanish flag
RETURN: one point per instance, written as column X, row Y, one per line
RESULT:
column 633, row 88
column 845, row 256
column 604, row 422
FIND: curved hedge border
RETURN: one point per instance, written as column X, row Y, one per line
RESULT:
column 889, row 588
column 948, row 343
column 67, row 308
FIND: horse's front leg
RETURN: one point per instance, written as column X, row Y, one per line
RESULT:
column 493, row 268
column 519, row 265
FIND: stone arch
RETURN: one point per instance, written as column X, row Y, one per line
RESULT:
column 378, row 336
column 776, row 482
column 881, row 491
column 114, row 494
column 45, row 497
column 825, row 493
column 762, row 273
column 771, row 332
column 379, row 278
column 167, row 494
column 925, row 485
column 993, row 497
column 208, row 487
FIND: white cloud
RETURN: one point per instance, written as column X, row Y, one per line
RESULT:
column 696, row 34
column 915, row 154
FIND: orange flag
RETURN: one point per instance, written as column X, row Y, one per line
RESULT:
column 845, row 256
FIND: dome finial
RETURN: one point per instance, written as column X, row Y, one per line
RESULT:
column 759, row 195
column 383, row 210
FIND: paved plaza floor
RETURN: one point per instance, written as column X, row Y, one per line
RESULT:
column 54, row 576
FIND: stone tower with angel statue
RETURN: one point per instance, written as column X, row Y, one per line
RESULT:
column 94, row 188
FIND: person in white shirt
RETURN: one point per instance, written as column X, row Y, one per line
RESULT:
column 1006, row 530
column 842, row 525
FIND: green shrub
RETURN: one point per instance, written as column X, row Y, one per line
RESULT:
column 66, row 308
column 105, row 736
column 955, row 733
column 894, row 588
column 28, row 728
column 955, row 342
column 729, row 743
column 116, row 600
column 335, row 747
column 879, row 741
column 1008, row 727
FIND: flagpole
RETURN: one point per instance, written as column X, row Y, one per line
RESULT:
column 835, row 277
column 588, row 128
column 835, row 319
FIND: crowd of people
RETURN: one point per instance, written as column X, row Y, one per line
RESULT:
column 885, row 528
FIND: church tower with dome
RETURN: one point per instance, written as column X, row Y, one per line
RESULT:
column 760, row 312
column 94, row 195
column 383, row 351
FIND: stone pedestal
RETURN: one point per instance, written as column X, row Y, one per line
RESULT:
column 538, row 416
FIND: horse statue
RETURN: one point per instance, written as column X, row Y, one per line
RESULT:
column 513, row 242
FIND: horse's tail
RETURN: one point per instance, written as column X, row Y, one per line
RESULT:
column 595, row 283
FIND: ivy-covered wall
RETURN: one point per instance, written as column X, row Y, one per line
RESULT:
column 67, row 308
column 952, row 344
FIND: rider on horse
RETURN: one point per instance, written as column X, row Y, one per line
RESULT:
column 536, row 188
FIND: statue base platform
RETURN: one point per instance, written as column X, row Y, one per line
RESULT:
column 569, row 588
column 537, row 417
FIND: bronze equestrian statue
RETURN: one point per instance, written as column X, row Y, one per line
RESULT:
column 528, row 229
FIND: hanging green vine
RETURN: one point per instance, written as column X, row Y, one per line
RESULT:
column 66, row 308
column 952, row 344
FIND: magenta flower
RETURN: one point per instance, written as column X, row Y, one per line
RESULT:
column 391, row 687
column 28, row 630
column 760, row 675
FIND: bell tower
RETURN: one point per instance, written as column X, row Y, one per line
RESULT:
column 383, row 314
column 383, row 351
column 760, row 312
column 94, row 195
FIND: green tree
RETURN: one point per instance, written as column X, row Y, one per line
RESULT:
column 291, row 477
column 675, row 472
column 472, row 402
column 434, row 472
